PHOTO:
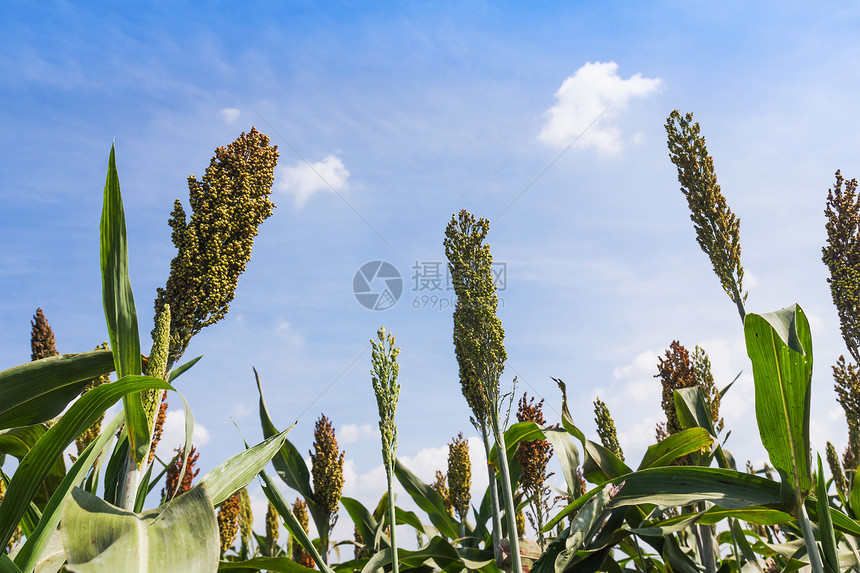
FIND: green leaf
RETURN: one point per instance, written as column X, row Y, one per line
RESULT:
column 18, row 442
column 825, row 523
column 428, row 500
column 561, row 553
column 279, row 564
column 181, row 535
column 38, row 462
column 7, row 565
column 676, row 445
column 37, row 543
column 601, row 464
column 52, row 558
column 182, row 368
column 362, row 519
column 120, row 313
column 693, row 412
column 566, row 453
column 779, row 345
column 236, row 472
column 40, row 390
column 684, row 485
column 293, row 526
column 290, row 465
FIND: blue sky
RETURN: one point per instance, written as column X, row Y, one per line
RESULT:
column 413, row 112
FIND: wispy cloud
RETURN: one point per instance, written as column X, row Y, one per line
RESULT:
column 230, row 114
column 304, row 179
column 594, row 89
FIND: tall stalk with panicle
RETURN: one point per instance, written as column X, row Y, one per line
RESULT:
column 842, row 257
column 327, row 473
column 384, row 371
column 479, row 345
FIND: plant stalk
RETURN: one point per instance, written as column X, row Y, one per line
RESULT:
column 809, row 539
column 395, row 566
column 510, row 511
column 494, row 498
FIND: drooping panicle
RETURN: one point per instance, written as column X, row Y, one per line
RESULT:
column 717, row 228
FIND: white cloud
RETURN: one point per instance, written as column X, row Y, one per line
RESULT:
column 303, row 180
column 173, row 434
column 351, row 433
column 594, row 89
column 230, row 114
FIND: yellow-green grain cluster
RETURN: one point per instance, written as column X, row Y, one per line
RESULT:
column 326, row 467
column 606, row 428
column 717, row 228
column 459, row 476
column 478, row 333
column 228, row 521
column 214, row 246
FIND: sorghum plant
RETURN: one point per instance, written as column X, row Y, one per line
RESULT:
column 327, row 472
column 228, row 521
column 384, row 372
column 534, row 455
column 480, row 350
column 460, row 479
column 42, row 343
column 606, row 428
column 214, row 246
column 717, row 228
column 172, row 485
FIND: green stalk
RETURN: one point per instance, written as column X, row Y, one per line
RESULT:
column 494, row 499
column 809, row 539
column 510, row 511
column 395, row 566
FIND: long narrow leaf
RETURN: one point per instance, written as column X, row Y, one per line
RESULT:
column 274, row 496
column 428, row 500
column 684, row 485
column 825, row 523
column 36, row 464
column 18, row 442
column 120, row 313
column 290, row 465
column 676, row 445
column 278, row 564
column 236, row 472
column 38, row 391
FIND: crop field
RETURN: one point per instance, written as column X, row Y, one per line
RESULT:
column 389, row 329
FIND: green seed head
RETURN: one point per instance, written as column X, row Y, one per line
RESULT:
column 460, row 476
column 606, row 428
column 717, row 228
column 384, row 372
